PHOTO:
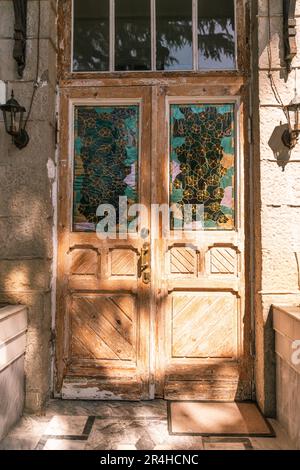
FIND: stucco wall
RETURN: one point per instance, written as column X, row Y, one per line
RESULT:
column 276, row 173
column 26, row 212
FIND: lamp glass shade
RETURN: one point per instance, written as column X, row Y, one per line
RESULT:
column 13, row 116
column 294, row 112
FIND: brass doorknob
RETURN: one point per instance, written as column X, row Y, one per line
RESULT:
column 146, row 263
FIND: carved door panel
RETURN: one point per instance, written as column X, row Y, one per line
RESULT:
column 203, row 328
column 103, row 297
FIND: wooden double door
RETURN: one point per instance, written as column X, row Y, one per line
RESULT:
column 153, row 305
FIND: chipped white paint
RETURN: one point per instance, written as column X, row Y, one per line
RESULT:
column 51, row 169
column 54, row 258
column 2, row 92
column 71, row 391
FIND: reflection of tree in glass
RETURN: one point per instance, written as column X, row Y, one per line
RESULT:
column 133, row 43
column 172, row 36
column 216, row 38
column 91, row 46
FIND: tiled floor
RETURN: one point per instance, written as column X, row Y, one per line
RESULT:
column 79, row 425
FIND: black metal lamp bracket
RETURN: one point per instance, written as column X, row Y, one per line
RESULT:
column 289, row 32
column 19, row 53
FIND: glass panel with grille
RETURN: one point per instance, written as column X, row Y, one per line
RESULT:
column 91, row 35
column 106, row 152
column 202, row 166
column 145, row 35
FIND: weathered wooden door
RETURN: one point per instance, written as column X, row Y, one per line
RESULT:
column 103, row 297
column 161, row 313
column 203, row 327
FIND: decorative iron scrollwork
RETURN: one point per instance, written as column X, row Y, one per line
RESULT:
column 19, row 53
column 289, row 31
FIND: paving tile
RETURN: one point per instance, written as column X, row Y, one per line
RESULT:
column 33, row 425
column 64, row 444
column 17, row 443
column 66, row 425
column 145, row 442
column 212, row 443
column 151, row 409
column 281, row 442
column 120, row 426
column 181, row 443
column 126, row 447
column 109, row 433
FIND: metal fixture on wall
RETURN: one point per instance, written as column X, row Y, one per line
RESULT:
column 291, row 135
column 14, row 122
column 289, row 31
column 19, row 53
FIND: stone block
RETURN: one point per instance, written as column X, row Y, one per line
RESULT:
column 22, row 200
column 38, row 351
column 12, row 395
column 284, row 84
column 287, row 319
column 48, row 20
column 41, row 147
column 43, row 108
column 279, row 270
column 264, row 357
column 275, row 7
column 273, row 122
column 276, row 43
column 4, row 142
column 7, row 19
column 13, row 324
column 47, row 60
column 8, row 70
column 8, row 67
column 280, row 230
column 296, row 61
column 24, row 274
column 25, row 237
column 280, row 187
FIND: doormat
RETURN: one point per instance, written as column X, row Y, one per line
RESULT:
column 217, row 419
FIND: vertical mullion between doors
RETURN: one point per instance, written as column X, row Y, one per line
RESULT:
column 195, row 35
column 111, row 35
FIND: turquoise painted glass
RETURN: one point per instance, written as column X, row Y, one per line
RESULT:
column 106, row 153
column 202, row 165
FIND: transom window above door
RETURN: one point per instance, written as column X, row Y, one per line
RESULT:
column 162, row 35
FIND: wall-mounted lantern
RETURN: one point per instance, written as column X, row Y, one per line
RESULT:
column 14, row 122
column 291, row 135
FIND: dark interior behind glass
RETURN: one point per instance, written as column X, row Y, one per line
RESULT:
column 91, row 35
column 133, row 35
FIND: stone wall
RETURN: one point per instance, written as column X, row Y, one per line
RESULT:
column 276, row 173
column 26, row 177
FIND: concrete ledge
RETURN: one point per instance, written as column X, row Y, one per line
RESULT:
column 286, row 322
column 13, row 327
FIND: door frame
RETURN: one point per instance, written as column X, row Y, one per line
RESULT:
column 233, row 90
column 212, row 83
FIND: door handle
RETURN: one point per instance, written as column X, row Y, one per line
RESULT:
column 145, row 264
